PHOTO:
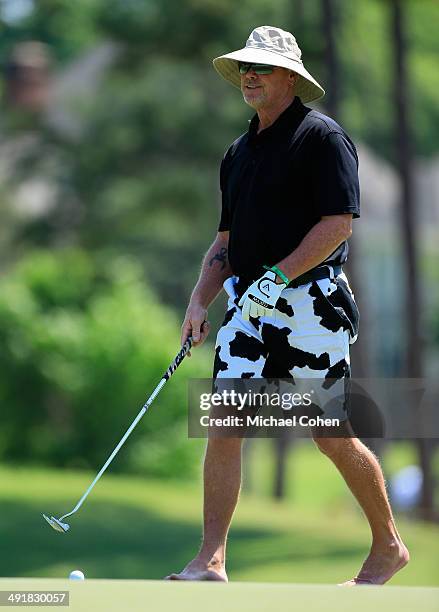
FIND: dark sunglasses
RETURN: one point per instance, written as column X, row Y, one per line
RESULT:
column 257, row 68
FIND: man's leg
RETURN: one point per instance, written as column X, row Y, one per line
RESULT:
column 222, row 482
column 222, row 463
column 363, row 475
column 320, row 334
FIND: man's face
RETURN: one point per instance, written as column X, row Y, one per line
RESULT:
column 266, row 90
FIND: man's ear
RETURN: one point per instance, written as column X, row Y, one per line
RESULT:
column 293, row 76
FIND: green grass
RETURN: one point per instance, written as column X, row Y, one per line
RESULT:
column 136, row 528
column 140, row 595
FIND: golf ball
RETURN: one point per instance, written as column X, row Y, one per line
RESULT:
column 76, row 575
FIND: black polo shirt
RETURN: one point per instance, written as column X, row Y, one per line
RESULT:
column 276, row 185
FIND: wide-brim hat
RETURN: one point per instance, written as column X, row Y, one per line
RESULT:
column 270, row 45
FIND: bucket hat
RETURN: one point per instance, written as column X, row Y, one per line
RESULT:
column 270, row 45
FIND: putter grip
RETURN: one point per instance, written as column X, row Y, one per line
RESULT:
column 178, row 358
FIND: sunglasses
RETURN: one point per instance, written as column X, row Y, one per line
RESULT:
column 257, row 68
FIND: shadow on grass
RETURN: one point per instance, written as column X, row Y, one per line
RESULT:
column 295, row 546
column 114, row 540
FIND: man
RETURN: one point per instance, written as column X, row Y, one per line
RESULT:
column 289, row 193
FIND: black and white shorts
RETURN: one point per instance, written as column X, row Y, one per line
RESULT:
column 307, row 337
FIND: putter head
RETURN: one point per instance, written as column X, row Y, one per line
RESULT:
column 57, row 524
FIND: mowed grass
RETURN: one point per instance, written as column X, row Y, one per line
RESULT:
column 135, row 528
column 140, row 595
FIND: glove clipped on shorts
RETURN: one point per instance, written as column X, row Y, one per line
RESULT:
column 260, row 298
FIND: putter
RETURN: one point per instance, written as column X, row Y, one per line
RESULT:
column 57, row 523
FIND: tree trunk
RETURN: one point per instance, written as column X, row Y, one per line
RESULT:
column 296, row 16
column 281, row 453
column 329, row 28
column 359, row 353
column 413, row 366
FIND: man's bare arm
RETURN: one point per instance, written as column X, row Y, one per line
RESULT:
column 214, row 271
column 317, row 245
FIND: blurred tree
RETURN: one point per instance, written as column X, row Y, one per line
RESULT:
column 413, row 366
column 141, row 177
column 83, row 345
column 282, row 447
column 366, row 65
column 332, row 23
column 68, row 28
column 330, row 27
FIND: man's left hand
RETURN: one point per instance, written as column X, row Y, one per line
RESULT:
column 260, row 298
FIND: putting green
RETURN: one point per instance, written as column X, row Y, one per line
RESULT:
column 136, row 595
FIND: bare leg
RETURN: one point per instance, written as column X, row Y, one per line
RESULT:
column 363, row 475
column 222, row 483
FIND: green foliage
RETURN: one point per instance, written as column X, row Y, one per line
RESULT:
column 146, row 171
column 366, row 53
column 142, row 175
column 68, row 27
column 141, row 179
column 83, row 346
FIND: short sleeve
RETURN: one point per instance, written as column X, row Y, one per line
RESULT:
column 335, row 182
column 224, row 224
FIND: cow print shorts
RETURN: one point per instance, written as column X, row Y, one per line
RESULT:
column 308, row 336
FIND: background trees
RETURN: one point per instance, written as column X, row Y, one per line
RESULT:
column 122, row 161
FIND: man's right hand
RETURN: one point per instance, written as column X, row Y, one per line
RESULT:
column 195, row 324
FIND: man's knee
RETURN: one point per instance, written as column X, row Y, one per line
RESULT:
column 331, row 447
column 224, row 446
column 334, row 441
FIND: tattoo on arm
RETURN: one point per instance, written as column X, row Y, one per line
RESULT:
column 221, row 256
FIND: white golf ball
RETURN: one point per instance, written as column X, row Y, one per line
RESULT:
column 76, row 575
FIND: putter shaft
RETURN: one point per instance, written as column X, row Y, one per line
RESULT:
column 54, row 522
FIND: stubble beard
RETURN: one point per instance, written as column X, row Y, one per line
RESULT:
column 254, row 101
